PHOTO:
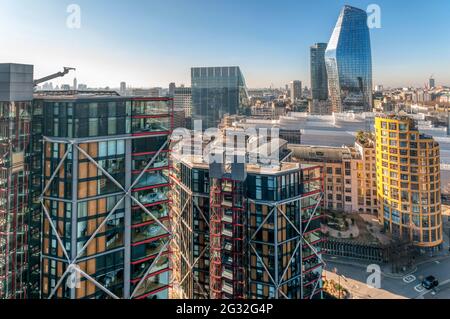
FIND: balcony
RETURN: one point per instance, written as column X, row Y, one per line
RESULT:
column 228, row 274
column 227, row 233
column 227, row 289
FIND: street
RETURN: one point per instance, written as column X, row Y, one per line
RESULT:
column 354, row 276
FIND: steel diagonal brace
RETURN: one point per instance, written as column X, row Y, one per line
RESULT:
column 150, row 214
column 263, row 223
column 289, row 263
column 79, row 253
column 58, row 167
column 96, row 283
column 191, row 267
column 314, row 290
column 52, row 225
column 93, row 161
column 264, row 265
column 150, row 163
column 312, row 214
column 289, row 221
column 150, row 268
column 201, row 213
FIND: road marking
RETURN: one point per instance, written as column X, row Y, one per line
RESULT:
column 419, row 288
column 409, row 279
column 437, row 262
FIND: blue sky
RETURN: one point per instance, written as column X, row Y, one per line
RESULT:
column 154, row 42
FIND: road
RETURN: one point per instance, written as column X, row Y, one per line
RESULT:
column 354, row 276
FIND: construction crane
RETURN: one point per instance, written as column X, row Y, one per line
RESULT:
column 53, row 76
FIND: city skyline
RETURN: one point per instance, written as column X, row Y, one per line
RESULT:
column 178, row 39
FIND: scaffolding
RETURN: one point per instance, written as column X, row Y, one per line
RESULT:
column 14, row 139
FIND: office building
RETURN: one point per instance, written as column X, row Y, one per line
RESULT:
column 232, row 219
column 409, row 184
column 319, row 77
column 349, row 63
column 183, row 100
column 295, row 91
column 217, row 91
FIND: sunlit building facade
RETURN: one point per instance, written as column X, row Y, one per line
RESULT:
column 408, row 181
column 106, row 227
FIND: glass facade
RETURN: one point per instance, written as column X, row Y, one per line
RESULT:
column 103, row 148
column 349, row 63
column 217, row 91
column 319, row 77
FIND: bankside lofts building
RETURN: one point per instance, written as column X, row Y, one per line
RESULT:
column 105, row 206
column 245, row 230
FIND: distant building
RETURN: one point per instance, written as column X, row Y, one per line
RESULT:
column 349, row 63
column 217, row 91
column 152, row 92
column 183, row 100
column 295, row 90
column 123, row 88
column 319, row 77
column 172, row 87
column 75, row 84
column 432, row 83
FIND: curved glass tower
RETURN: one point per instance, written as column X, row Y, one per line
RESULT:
column 349, row 63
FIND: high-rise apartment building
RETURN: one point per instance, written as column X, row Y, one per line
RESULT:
column 319, row 77
column 183, row 100
column 408, row 178
column 16, row 95
column 232, row 219
column 295, row 90
column 349, row 63
column 106, row 227
column 217, row 91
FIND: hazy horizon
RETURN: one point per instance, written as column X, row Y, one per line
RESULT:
column 153, row 43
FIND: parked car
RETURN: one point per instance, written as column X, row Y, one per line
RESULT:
column 430, row 283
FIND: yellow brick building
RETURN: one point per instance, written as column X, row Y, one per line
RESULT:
column 408, row 181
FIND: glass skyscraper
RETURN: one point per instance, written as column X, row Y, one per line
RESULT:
column 319, row 78
column 349, row 63
column 217, row 91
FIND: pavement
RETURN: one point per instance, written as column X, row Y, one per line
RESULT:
column 354, row 276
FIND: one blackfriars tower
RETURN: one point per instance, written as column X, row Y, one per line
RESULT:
column 349, row 63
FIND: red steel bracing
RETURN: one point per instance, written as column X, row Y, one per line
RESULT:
column 227, row 273
column 14, row 140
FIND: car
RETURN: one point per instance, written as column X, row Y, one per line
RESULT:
column 430, row 283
